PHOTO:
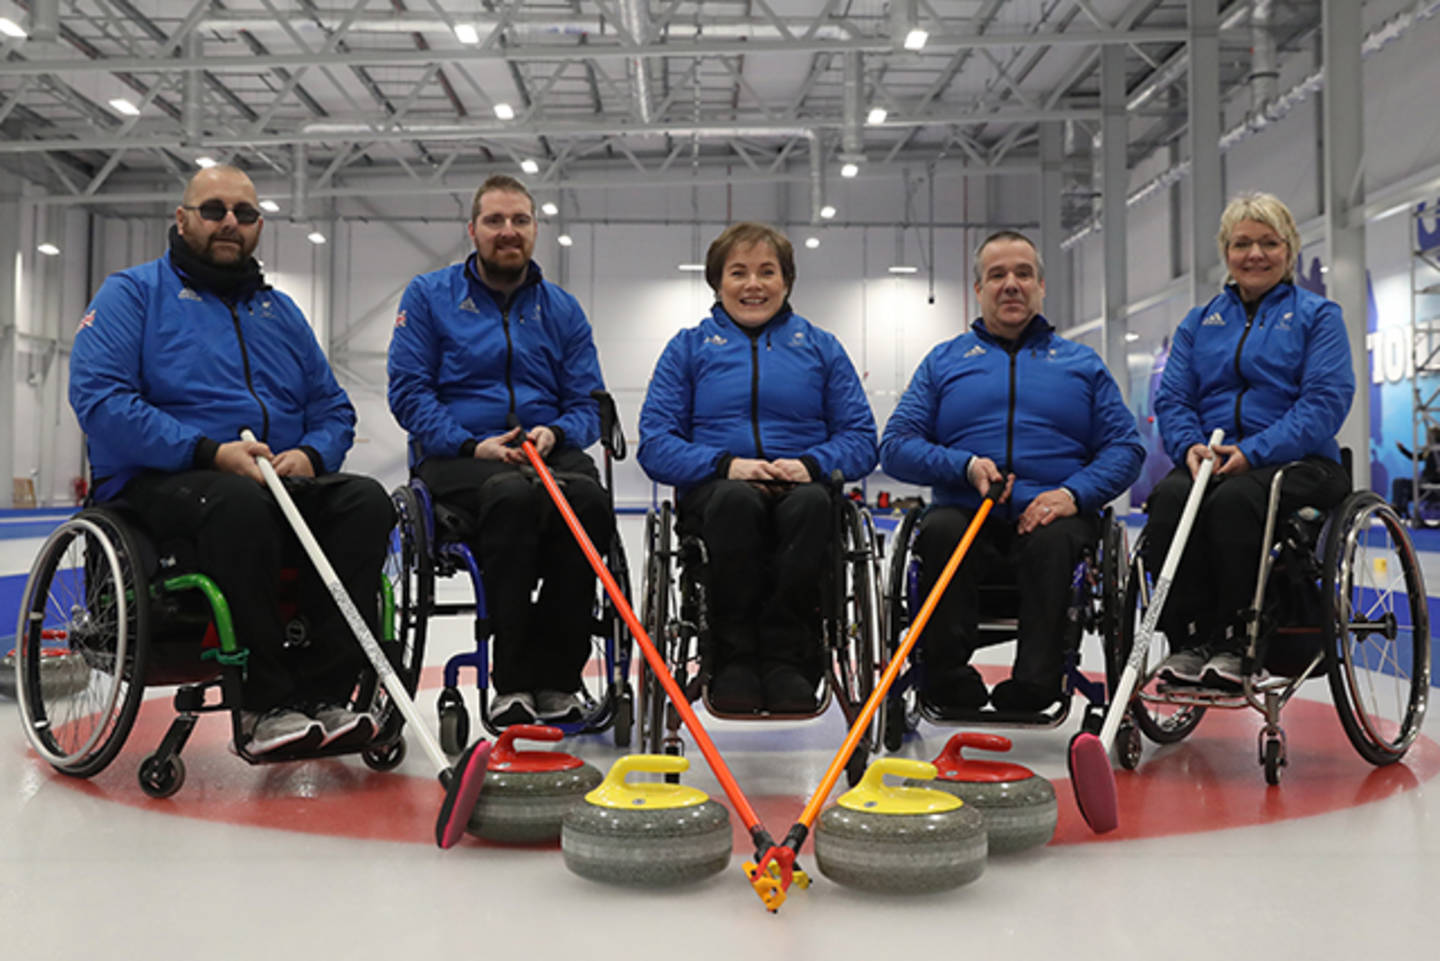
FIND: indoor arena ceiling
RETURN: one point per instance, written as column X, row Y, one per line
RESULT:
column 116, row 99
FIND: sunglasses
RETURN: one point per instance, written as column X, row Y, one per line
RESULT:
column 216, row 210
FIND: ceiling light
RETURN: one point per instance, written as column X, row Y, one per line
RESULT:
column 1131, row 336
column 269, row 206
column 849, row 170
column 877, row 115
column 529, row 166
column 902, row 269
column 549, row 209
column 812, row 242
column 827, row 212
column 315, row 237
column 565, row 240
column 49, row 250
column 122, row 106
column 12, row 29
column 691, row 267
column 916, row 39
column 504, row 111
column 466, row 33
column 205, row 163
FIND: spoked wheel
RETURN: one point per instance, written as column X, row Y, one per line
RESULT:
column 858, row 630
column 409, row 571
column 900, row 713
column 1377, row 629
column 85, row 597
column 655, row 617
column 1161, row 723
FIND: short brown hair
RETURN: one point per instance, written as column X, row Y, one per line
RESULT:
column 743, row 235
column 1006, row 235
column 499, row 182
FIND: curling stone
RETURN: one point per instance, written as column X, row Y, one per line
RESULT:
column 899, row 839
column 646, row 834
column 62, row 673
column 1018, row 806
column 527, row 793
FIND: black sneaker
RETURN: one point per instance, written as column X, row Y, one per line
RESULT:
column 277, row 728
column 1022, row 697
column 1223, row 671
column 344, row 727
column 958, row 689
column 735, row 689
column 787, row 690
column 1186, row 666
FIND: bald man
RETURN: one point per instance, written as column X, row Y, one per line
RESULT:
column 172, row 359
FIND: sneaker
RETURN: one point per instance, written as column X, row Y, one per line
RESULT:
column 1185, row 666
column 340, row 722
column 958, row 689
column 787, row 690
column 559, row 707
column 517, row 707
column 277, row 728
column 1224, row 671
column 735, row 689
column 1022, row 697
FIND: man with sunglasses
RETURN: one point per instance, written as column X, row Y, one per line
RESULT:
column 479, row 347
column 172, row 359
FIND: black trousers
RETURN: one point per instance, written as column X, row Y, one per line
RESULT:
column 1044, row 562
column 768, row 549
column 1216, row 577
column 521, row 539
column 241, row 541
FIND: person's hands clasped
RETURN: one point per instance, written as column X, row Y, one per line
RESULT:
column 238, row 457
column 1048, row 506
column 293, row 463
column 982, row 472
column 768, row 475
column 1232, row 460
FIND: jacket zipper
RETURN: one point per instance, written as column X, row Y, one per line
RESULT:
column 755, row 395
column 245, row 362
column 509, row 356
column 1239, row 431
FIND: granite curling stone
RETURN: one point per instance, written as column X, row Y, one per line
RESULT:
column 899, row 839
column 527, row 793
column 1018, row 806
column 63, row 673
column 646, row 834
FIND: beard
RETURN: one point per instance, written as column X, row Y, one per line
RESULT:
column 225, row 256
column 504, row 273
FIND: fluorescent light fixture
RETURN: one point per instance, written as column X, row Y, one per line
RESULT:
column 49, row 250
column 812, row 242
column 902, row 269
column 876, row 115
column 565, row 240
column 504, row 111
column 315, row 237
column 916, row 39
column 122, row 106
column 529, row 166
column 269, row 206
column 549, row 209
column 12, row 29
column 205, row 163
column 691, row 267
column 1131, row 336
column 849, row 170
column 466, row 33
column 827, row 212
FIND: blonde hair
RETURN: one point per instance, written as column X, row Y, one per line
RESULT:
column 1265, row 209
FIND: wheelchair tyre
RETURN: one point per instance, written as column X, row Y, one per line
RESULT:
column 1128, row 746
column 85, row 595
column 1161, row 723
column 1377, row 628
column 901, row 709
column 892, row 722
column 454, row 722
column 655, row 618
column 624, row 716
column 411, row 572
column 1274, row 759
column 161, row 777
column 1113, row 566
column 855, row 767
column 386, row 757
column 858, row 631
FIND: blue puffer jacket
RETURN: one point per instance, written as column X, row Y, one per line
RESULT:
column 718, row 393
column 1048, row 411
column 460, row 364
column 1279, row 385
column 158, row 366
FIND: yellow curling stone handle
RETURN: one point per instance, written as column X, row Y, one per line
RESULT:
column 874, row 796
column 613, row 792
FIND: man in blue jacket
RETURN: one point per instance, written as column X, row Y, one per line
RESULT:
column 477, row 347
column 171, row 361
column 1010, row 403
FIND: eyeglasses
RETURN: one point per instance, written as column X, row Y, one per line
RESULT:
column 216, row 210
column 1268, row 245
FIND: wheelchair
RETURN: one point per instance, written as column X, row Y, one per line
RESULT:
column 106, row 612
column 675, row 614
column 1095, row 607
column 431, row 543
column 1338, row 593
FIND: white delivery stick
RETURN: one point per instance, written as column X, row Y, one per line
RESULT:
column 1120, row 701
column 377, row 657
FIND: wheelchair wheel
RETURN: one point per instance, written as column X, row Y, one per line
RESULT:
column 1377, row 630
column 1114, row 562
column 900, row 713
column 161, row 777
column 857, row 634
column 409, row 568
column 1161, row 723
column 655, row 617
column 86, row 596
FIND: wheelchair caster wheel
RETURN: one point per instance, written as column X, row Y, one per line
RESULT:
column 1272, row 755
column 161, row 777
column 1128, row 745
column 892, row 723
column 454, row 722
column 855, row 767
column 385, row 757
column 624, row 717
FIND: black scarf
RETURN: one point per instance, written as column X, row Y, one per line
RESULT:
column 228, row 282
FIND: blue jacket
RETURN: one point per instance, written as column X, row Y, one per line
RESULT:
column 1048, row 411
column 158, row 366
column 1279, row 385
column 717, row 393
column 460, row 363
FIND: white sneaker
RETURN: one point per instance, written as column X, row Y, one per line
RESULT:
column 559, row 707
column 517, row 707
column 339, row 722
column 276, row 728
column 1185, row 666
